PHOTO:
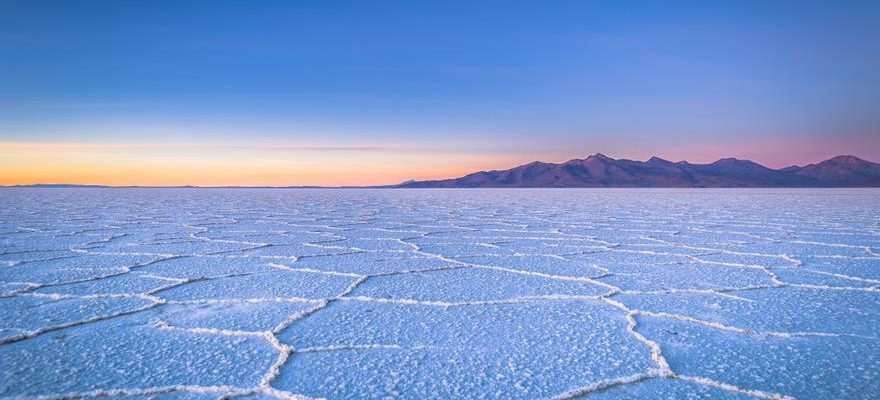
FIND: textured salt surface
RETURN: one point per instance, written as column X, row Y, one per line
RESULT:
column 607, row 294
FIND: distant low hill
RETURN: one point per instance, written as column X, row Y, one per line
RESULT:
column 601, row 171
column 60, row 185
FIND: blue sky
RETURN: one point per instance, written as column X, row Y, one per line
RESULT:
column 431, row 88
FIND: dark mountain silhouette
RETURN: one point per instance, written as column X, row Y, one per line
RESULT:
column 843, row 171
column 601, row 171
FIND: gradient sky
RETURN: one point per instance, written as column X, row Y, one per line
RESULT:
column 361, row 92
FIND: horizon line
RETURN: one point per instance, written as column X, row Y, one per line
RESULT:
column 386, row 186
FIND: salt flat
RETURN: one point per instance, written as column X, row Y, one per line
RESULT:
column 515, row 294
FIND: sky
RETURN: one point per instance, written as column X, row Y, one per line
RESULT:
column 364, row 93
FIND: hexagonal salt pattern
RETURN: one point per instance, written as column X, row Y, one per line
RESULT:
column 437, row 294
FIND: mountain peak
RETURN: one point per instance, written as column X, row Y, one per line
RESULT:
column 658, row 160
column 600, row 156
column 842, row 171
column 731, row 161
column 847, row 159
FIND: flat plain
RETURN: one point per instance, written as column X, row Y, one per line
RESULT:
column 558, row 293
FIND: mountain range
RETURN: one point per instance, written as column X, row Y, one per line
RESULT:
column 599, row 170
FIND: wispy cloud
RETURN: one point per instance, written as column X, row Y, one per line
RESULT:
column 454, row 148
column 81, row 105
column 76, row 146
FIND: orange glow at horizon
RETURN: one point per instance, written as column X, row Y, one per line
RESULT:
column 267, row 164
column 23, row 163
